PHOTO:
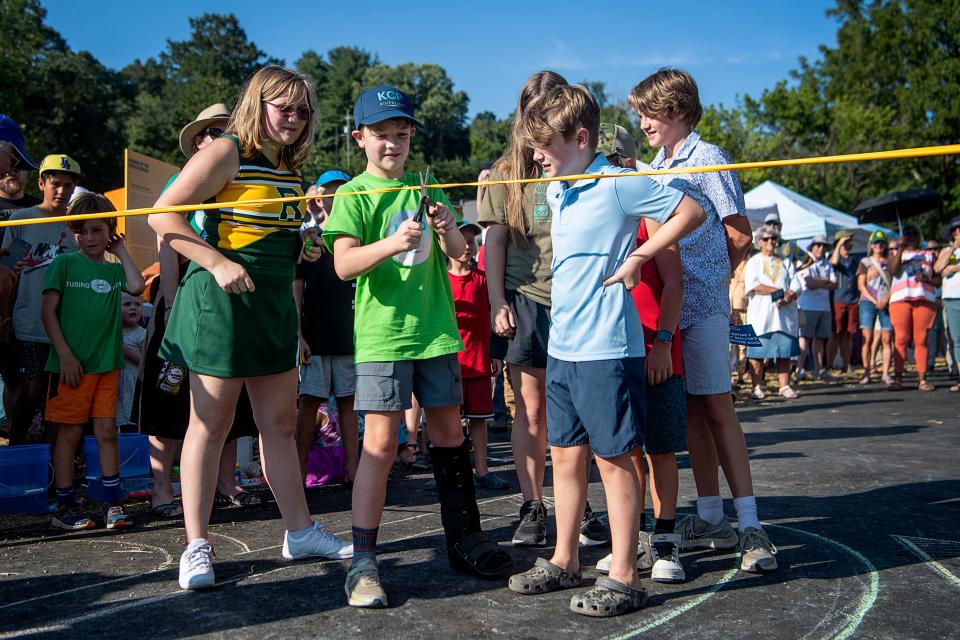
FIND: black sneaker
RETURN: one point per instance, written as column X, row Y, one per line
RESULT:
column 532, row 530
column 592, row 532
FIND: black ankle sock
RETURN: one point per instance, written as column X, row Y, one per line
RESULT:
column 643, row 521
column 662, row 525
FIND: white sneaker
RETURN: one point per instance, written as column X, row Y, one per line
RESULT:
column 196, row 566
column 759, row 393
column 318, row 543
column 667, row 567
column 788, row 392
column 644, row 559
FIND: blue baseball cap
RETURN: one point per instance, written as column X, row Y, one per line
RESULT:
column 380, row 103
column 11, row 132
column 332, row 175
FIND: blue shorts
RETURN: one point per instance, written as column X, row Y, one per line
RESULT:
column 869, row 314
column 599, row 403
column 665, row 422
column 776, row 345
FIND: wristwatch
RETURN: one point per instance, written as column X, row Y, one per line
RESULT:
column 665, row 336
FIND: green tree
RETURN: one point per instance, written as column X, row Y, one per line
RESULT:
column 488, row 138
column 190, row 75
column 67, row 102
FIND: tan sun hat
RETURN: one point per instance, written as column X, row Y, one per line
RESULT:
column 212, row 113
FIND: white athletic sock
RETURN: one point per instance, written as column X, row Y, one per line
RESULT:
column 746, row 513
column 710, row 508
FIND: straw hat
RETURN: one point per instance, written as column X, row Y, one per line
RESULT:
column 212, row 113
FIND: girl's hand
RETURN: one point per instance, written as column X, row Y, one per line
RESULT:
column 502, row 320
column 232, row 277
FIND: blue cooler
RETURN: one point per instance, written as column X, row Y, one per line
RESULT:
column 134, row 462
column 23, row 478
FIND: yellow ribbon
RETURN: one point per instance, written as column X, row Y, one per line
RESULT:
column 895, row 154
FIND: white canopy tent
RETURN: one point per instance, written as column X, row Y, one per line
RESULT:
column 802, row 217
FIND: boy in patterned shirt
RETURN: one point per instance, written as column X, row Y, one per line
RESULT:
column 668, row 103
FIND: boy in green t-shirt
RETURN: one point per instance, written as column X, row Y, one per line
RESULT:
column 406, row 339
column 81, row 314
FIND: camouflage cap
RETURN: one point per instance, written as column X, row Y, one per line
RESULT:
column 615, row 140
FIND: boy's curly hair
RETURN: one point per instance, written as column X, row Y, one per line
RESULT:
column 90, row 202
column 562, row 111
column 668, row 92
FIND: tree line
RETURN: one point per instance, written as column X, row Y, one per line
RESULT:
column 891, row 81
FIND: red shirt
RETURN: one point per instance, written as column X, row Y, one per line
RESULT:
column 646, row 295
column 473, row 320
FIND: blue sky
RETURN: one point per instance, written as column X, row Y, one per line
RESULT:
column 733, row 48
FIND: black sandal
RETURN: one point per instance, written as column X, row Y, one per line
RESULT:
column 478, row 555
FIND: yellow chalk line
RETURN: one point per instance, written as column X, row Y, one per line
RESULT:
column 894, row 154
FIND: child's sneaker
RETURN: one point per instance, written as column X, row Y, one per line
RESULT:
column 592, row 531
column 196, row 566
column 117, row 517
column 644, row 556
column 317, row 543
column 759, row 393
column 363, row 586
column 757, row 553
column 532, row 530
column 665, row 549
column 696, row 533
column 72, row 518
column 788, row 392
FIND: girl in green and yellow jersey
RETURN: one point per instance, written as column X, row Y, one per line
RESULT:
column 234, row 321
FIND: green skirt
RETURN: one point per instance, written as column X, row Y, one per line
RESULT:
column 230, row 335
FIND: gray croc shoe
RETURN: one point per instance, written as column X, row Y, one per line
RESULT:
column 543, row 578
column 608, row 598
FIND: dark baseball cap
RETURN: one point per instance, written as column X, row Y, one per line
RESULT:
column 11, row 132
column 380, row 103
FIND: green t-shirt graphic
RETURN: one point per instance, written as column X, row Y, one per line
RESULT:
column 404, row 307
column 89, row 311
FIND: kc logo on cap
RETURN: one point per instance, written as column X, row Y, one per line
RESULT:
column 380, row 103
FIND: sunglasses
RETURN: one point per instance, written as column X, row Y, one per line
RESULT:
column 768, row 239
column 303, row 113
column 213, row 132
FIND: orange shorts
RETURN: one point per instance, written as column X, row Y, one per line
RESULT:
column 96, row 397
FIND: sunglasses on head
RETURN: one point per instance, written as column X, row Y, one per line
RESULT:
column 303, row 113
column 213, row 132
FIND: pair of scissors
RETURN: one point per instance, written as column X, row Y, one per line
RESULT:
column 425, row 203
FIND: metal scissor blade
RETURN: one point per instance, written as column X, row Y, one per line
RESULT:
column 424, row 200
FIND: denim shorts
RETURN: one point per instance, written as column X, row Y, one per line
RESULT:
column 390, row 386
column 777, row 345
column 869, row 314
column 323, row 376
column 598, row 403
column 665, row 423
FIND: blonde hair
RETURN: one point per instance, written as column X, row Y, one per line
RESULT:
column 668, row 92
column 517, row 163
column 561, row 112
column 267, row 84
column 90, row 202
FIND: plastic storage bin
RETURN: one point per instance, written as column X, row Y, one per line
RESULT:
column 23, row 478
column 134, row 461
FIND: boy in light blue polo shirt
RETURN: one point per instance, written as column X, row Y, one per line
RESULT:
column 595, row 370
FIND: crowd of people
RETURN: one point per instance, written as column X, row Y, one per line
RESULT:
column 606, row 304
